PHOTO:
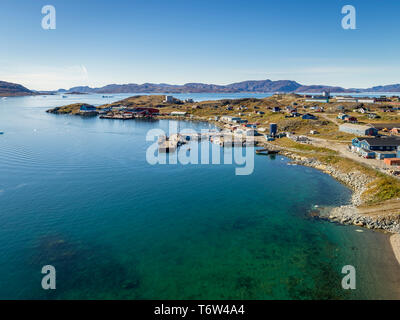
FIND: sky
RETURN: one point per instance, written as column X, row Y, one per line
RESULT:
column 98, row 42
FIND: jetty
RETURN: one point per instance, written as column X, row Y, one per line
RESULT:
column 170, row 144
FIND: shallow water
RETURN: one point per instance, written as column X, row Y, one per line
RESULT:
column 78, row 194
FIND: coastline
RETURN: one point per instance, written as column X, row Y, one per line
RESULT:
column 357, row 181
column 350, row 214
column 395, row 243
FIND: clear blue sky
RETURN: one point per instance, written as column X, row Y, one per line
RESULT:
column 98, row 42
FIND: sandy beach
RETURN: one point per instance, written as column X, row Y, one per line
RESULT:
column 395, row 242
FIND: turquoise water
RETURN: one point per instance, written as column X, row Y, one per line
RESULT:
column 78, row 194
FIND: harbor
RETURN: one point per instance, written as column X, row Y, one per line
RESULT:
column 224, row 139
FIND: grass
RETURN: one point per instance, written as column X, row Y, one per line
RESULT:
column 382, row 189
column 288, row 143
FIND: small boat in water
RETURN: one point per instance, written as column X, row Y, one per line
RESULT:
column 1, row 132
column 266, row 151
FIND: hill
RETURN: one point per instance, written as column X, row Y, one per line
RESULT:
column 8, row 89
column 256, row 86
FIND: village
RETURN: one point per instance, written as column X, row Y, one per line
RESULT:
column 354, row 139
column 362, row 128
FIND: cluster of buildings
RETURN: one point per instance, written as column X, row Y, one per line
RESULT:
column 124, row 113
column 378, row 148
column 370, row 145
column 355, row 99
column 347, row 118
column 240, row 126
column 293, row 113
column 324, row 98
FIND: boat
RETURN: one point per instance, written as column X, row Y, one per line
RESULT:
column 266, row 151
column 1, row 132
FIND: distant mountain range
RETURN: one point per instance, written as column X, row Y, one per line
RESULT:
column 256, row 86
column 8, row 89
column 260, row 86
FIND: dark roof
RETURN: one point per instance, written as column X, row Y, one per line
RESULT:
column 381, row 126
column 381, row 142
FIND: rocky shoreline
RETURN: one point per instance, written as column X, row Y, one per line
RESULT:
column 349, row 214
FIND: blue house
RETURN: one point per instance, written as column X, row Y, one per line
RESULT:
column 380, row 144
column 276, row 109
column 309, row 116
column 87, row 108
column 356, row 142
column 385, row 154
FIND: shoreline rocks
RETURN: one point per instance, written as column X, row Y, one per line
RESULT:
column 349, row 214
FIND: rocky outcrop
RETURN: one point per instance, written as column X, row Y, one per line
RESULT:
column 349, row 214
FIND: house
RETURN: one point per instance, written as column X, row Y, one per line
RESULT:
column 230, row 119
column 87, row 109
column 105, row 110
column 322, row 99
column 351, row 119
column 169, row 99
column 367, row 154
column 379, row 144
column 385, row 155
column 387, row 126
column 358, row 130
column 326, row 94
column 382, row 99
column 118, row 108
column 143, row 111
column 309, row 116
column 251, row 132
column 392, row 161
column 317, row 109
column 361, row 110
column 346, row 99
column 276, row 109
column 342, row 116
column 293, row 115
column 291, row 109
column 373, row 116
column 366, row 100
column 395, row 131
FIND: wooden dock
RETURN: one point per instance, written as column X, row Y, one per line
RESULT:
column 170, row 144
